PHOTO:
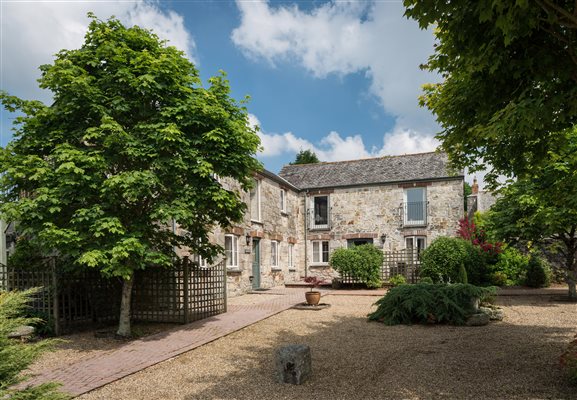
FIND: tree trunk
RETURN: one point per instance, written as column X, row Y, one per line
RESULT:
column 571, row 280
column 124, row 320
column 571, row 267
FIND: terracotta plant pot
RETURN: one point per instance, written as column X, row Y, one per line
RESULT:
column 313, row 297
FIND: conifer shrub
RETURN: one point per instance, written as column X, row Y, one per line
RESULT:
column 361, row 263
column 429, row 303
column 538, row 272
column 16, row 356
column 462, row 277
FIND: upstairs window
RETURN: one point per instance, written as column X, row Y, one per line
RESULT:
column 283, row 200
column 320, row 212
column 255, row 201
column 415, row 206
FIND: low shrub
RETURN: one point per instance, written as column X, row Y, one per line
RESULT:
column 499, row 279
column 428, row 303
column 397, row 280
column 538, row 272
column 510, row 268
column 362, row 263
column 426, row 279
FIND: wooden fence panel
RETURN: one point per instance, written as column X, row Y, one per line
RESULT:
column 401, row 262
column 181, row 294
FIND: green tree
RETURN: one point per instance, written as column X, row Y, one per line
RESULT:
column 306, row 157
column 129, row 146
column 543, row 206
column 16, row 356
column 509, row 79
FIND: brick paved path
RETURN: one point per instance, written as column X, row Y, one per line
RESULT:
column 91, row 373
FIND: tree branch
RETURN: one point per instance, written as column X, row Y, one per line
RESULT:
column 558, row 11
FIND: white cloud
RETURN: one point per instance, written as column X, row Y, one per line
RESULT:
column 333, row 147
column 32, row 32
column 343, row 38
column 408, row 142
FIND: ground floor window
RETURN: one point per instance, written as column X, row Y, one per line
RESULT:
column 416, row 242
column 291, row 248
column 321, row 251
column 274, row 253
column 358, row 242
column 231, row 250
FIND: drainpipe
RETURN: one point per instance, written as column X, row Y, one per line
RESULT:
column 306, row 229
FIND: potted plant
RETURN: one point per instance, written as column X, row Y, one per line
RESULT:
column 313, row 296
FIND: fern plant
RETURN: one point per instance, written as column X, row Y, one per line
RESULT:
column 16, row 356
column 428, row 303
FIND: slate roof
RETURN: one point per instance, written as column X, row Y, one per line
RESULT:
column 370, row 171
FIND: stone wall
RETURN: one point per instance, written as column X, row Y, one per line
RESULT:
column 274, row 224
column 355, row 213
column 371, row 212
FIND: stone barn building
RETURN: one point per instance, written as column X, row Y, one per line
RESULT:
column 296, row 219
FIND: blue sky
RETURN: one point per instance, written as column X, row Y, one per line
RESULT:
column 340, row 78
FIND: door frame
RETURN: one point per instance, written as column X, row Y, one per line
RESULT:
column 256, row 264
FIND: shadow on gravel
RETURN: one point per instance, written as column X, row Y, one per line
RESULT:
column 355, row 359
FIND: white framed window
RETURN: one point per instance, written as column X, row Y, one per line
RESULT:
column 202, row 262
column 283, row 207
column 274, row 253
column 255, row 201
column 231, row 250
column 416, row 242
column 320, row 212
column 320, row 251
column 290, row 252
column 415, row 206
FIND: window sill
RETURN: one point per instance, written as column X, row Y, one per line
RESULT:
column 284, row 213
column 292, row 269
column 415, row 225
column 275, row 269
column 233, row 270
column 254, row 221
column 319, row 265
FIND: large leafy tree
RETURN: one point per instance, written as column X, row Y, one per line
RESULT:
column 509, row 78
column 544, row 206
column 131, row 144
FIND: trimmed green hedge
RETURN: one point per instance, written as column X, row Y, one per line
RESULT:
column 362, row 263
column 442, row 260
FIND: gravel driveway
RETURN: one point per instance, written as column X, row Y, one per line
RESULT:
column 355, row 359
